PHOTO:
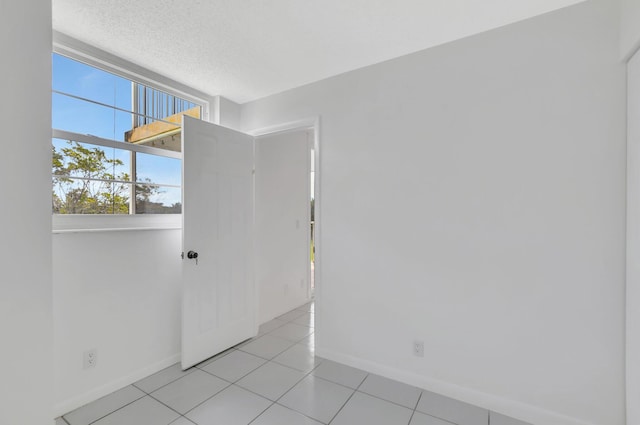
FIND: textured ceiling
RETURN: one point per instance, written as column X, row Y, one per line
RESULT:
column 247, row 49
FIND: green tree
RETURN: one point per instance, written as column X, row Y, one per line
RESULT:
column 84, row 182
column 145, row 205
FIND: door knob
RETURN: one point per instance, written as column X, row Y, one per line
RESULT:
column 192, row 255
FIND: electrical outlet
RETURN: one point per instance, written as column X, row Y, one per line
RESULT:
column 90, row 358
column 418, row 348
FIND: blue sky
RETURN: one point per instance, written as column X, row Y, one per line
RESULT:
column 86, row 118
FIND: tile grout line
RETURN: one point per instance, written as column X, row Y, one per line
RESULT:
column 241, row 377
column 306, row 374
column 260, row 414
column 164, row 385
column 341, row 407
column 119, row 408
column 181, row 417
column 246, row 389
column 300, row 413
column 273, row 336
column 389, row 401
column 292, row 387
column 338, row 383
column 169, row 407
column 184, row 375
column 414, row 409
column 197, row 367
column 349, row 399
column 204, row 401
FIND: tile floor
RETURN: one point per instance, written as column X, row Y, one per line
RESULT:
column 275, row 379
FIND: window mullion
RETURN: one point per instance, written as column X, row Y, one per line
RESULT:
column 99, row 141
column 134, row 179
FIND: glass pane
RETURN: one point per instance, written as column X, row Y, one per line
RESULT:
column 156, row 104
column 152, row 199
column 82, row 117
column 82, row 80
column 80, row 196
column 88, row 161
column 79, row 168
column 158, row 169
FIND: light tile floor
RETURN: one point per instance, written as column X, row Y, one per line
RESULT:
column 275, row 379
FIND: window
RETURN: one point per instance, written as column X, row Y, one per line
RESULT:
column 115, row 143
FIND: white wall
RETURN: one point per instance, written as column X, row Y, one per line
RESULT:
column 633, row 243
column 282, row 222
column 225, row 112
column 629, row 27
column 117, row 292
column 25, row 244
column 474, row 197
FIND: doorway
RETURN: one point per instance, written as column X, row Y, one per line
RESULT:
column 286, row 231
column 312, row 222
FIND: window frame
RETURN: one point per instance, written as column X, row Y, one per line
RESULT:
column 89, row 55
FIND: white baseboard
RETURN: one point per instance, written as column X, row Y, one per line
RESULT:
column 67, row 406
column 514, row 409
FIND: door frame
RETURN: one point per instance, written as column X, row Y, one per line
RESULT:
column 312, row 124
column 632, row 369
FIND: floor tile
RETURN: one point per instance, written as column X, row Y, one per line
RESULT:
column 309, row 341
column 145, row 411
column 271, row 380
column 233, row 406
column 306, row 320
column 292, row 315
column 317, row 398
column 182, row 421
column 364, row 409
column 217, row 356
column 234, row 365
column 292, row 332
column 452, row 410
column 266, row 346
column 162, row 378
column 300, row 357
column 390, row 390
column 270, row 325
column 279, row 415
column 498, row 419
column 305, row 307
column 422, row 419
column 272, row 368
column 245, row 342
column 102, row 407
column 308, row 307
column 187, row 392
column 340, row 374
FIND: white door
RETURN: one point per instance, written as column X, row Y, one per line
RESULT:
column 218, row 292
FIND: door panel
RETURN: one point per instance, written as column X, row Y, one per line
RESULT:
column 218, row 303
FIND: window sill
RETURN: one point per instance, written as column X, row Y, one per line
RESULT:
column 72, row 223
